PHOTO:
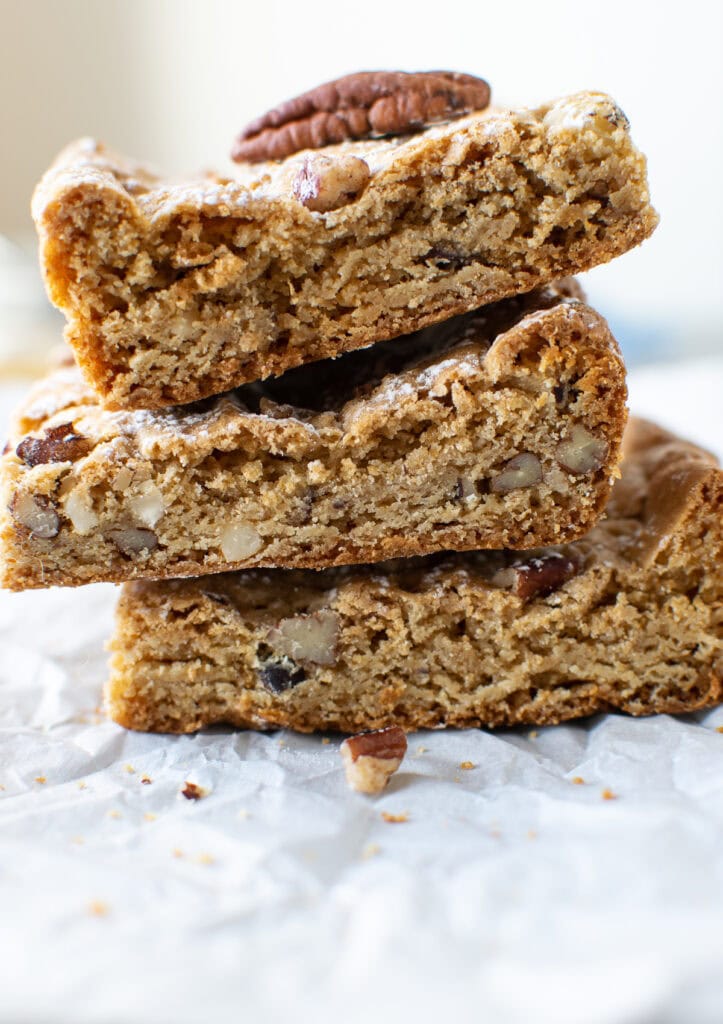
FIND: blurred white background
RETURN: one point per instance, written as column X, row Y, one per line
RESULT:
column 172, row 81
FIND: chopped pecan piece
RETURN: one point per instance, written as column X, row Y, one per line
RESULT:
column 192, row 791
column 523, row 470
column 324, row 183
column 58, row 444
column 306, row 637
column 537, row 575
column 37, row 513
column 131, row 540
column 364, row 105
column 371, row 758
column 581, row 452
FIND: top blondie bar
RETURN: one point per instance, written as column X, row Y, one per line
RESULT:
column 177, row 290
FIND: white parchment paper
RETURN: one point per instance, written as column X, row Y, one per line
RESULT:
column 510, row 893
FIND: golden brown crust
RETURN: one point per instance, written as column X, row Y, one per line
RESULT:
column 456, row 438
column 445, row 641
column 176, row 291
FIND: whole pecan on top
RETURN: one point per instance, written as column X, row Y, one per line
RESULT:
column 363, row 105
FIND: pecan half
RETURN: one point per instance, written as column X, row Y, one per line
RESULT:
column 58, row 444
column 364, row 105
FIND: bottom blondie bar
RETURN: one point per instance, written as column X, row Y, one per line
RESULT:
column 628, row 618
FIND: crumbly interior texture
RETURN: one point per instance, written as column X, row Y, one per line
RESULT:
column 175, row 291
column 456, row 438
column 442, row 641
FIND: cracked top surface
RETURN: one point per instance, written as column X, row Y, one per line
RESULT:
column 88, row 163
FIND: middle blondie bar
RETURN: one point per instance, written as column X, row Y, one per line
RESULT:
column 499, row 428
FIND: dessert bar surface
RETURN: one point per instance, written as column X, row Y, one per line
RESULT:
column 500, row 428
column 177, row 290
column 629, row 618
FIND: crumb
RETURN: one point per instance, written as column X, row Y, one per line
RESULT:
column 41, row 779
column 150, row 816
column 177, row 853
column 114, row 814
column 395, row 819
column 78, row 840
column 282, row 743
column 607, row 794
column 204, row 858
column 495, row 833
column 532, row 834
column 578, row 780
column 98, row 908
column 719, row 728
column 2, row 788
column 129, row 768
column 421, row 750
column 533, row 734
column 325, row 740
column 145, row 780
column 243, row 814
column 82, row 785
column 370, row 850
column 467, row 766
column 192, row 791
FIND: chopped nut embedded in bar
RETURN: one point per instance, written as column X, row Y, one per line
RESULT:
column 325, row 183
column 371, row 758
column 523, row 470
column 36, row 512
column 307, row 637
column 581, row 452
column 58, row 444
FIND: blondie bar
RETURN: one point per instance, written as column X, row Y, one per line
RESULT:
column 628, row 618
column 177, row 290
column 499, row 428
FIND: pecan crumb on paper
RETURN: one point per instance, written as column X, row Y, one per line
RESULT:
column 371, row 758
column 192, row 791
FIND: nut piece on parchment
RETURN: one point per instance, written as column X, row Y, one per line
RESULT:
column 325, row 183
column 192, row 791
column 363, row 105
column 371, row 758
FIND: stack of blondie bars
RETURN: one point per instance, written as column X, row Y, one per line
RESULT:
column 348, row 432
